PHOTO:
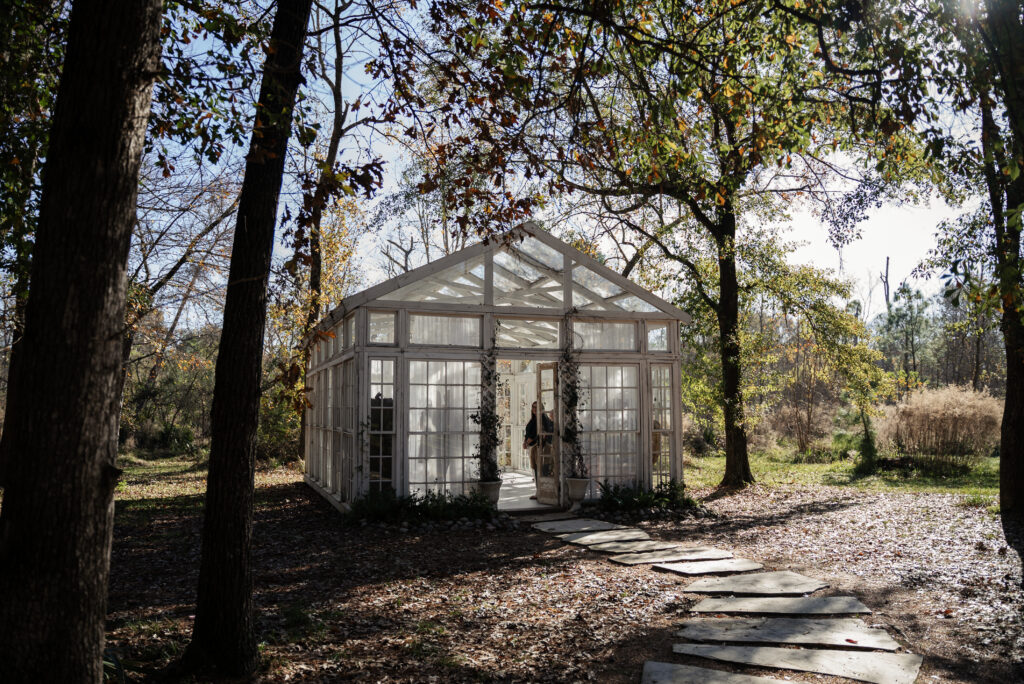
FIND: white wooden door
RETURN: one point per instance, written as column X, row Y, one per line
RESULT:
column 547, row 432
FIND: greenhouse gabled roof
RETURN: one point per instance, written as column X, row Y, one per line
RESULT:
column 527, row 271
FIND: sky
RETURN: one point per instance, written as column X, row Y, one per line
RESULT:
column 905, row 234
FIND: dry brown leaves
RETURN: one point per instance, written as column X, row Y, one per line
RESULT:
column 371, row 604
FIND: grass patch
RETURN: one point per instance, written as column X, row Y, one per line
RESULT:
column 777, row 469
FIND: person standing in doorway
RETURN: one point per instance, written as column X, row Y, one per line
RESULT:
column 532, row 438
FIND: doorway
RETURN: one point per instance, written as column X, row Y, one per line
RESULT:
column 521, row 382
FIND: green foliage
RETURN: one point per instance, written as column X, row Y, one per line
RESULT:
column 386, row 507
column 488, row 418
column 666, row 496
column 279, row 438
column 573, row 454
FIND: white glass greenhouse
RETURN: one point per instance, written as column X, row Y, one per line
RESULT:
column 395, row 373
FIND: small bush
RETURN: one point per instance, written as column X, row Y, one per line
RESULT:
column 842, row 446
column 700, row 441
column 669, row 496
column 168, row 440
column 386, row 507
column 945, row 430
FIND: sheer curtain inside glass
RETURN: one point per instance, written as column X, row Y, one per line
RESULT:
column 382, row 425
column 443, row 396
column 460, row 331
column 661, row 424
column 609, row 416
column 605, row 335
column 382, row 327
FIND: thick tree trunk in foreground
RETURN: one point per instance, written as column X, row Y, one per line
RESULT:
column 737, row 464
column 1005, row 43
column 1011, row 445
column 223, row 637
column 60, row 437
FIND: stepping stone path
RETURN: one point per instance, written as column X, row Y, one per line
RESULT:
column 710, row 567
column 776, row 593
column 784, row 583
column 812, row 605
column 880, row 668
column 635, row 546
column 849, row 633
column 575, row 525
column 604, row 537
column 686, row 553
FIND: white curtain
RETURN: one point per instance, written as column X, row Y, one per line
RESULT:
column 606, row 335
column 459, row 331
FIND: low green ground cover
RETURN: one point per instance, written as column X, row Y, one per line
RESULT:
column 778, row 467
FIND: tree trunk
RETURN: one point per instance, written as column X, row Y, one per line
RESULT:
column 1007, row 54
column 60, row 439
column 223, row 637
column 1011, row 282
column 737, row 464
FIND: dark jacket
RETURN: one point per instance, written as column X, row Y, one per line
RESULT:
column 531, row 430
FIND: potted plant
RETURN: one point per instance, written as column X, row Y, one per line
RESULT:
column 577, row 476
column 490, row 423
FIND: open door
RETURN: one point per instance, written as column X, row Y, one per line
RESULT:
column 547, row 432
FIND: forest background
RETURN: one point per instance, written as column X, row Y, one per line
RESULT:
column 356, row 209
column 673, row 142
column 336, row 237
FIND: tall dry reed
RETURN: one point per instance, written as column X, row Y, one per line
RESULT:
column 943, row 429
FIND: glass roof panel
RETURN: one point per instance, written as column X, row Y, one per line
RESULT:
column 521, row 280
column 532, row 249
column 514, row 264
column 590, row 290
column 634, row 303
column 594, row 283
column 462, row 283
column 527, row 334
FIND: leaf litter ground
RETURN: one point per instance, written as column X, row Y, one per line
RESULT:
column 342, row 603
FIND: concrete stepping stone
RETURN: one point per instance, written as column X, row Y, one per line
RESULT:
column 811, row 605
column 604, row 536
column 575, row 525
column 635, row 546
column 848, row 632
column 784, row 582
column 670, row 673
column 880, row 668
column 710, row 567
column 686, row 553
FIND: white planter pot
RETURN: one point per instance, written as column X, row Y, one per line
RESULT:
column 491, row 490
column 576, row 488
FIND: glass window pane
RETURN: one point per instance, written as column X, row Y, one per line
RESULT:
column 418, row 372
column 458, row 331
column 382, row 328
column 462, row 283
column 657, row 336
column 528, row 277
column 527, row 334
column 605, row 335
